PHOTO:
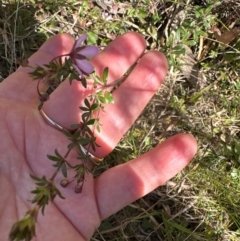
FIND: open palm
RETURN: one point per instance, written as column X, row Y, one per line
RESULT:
column 26, row 140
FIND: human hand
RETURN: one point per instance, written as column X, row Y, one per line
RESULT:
column 26, row 139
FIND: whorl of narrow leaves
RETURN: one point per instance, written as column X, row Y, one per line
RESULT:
column 24, row 229
column 45, row 192
column 56, row 72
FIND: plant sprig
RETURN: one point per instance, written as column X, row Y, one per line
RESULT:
column 75, row 67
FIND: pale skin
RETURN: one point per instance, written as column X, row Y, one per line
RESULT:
column 26, row 139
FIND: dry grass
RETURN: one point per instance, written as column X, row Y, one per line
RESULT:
column 202, row 202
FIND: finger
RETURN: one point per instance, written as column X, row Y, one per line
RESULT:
column 63, row 106
column 129, row 101
column 123, row 184
column 20, row 85
column 119, row 55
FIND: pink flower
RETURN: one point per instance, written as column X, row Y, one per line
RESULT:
column 79, row 55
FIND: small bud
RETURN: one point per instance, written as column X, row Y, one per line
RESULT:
column 78, row 188
column 64, row 182
column 43, row 97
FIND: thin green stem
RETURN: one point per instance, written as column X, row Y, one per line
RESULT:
column 56, row 172
column 121, row 79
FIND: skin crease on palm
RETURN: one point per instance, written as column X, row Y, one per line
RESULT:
column 26, row 139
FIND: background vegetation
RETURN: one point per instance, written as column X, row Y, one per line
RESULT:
column 200, row 96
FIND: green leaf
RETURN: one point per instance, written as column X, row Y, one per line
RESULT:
column 109, row 98
column 41, row 183
column 71, row 145
column 84, row 141
column 105, row 75
column 94, row 106
column 92, row 38
column 102, row 99
column 97, row 80
column 179, row 227
column 98, row 128
column 57, row 154
column 35, row 178
column 190, row 42
column 84, row 82
column 57, row 164
column 85, row 116
column 91, row 122
column 76, row 134
column 179, row 49
column 153, row 32
column 86, row 102
column 83, row 108
column 89, row 131
column 141, row 15
column 54, row 158
column 75, row 76
column 64, row 170
column 105, row 97
column 93, row 146
column 170, row 40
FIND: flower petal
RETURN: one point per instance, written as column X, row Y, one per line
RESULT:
column 78, row 70
column 89, row 51
column 84, row 65
column 81, row 40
